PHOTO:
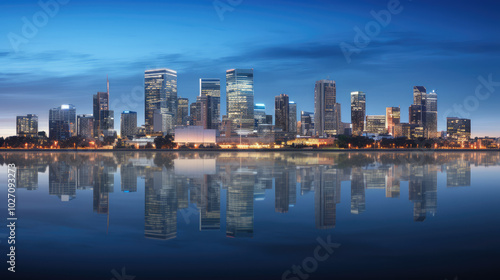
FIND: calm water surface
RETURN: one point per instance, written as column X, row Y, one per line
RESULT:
column 187, row 215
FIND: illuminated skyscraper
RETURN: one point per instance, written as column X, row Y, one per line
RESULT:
column 358, row 112
column 458, row 129
column 375, row 124
column 239, row 99
column 160, row 90
column 259, row 114
column 307, row 123
column 431, row 114
column 27, row 126
column 182, row 111
column 62, row 122
column 392, row 118
column 128, row 124
column 101, row 106
column 326, row 115
column 85, row 125
column 211, row 89
column 281, row 112
column 292, row 123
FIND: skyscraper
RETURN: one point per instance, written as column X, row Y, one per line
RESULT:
column 204, row 112
column 458, row 129
column 418, row 110
column 292, row 111
column 128, row 124
column 239, row 99
column 358, row 112
column 307, row 123
column 325, row 98
column 85, row 125
column 160, row 90
column 259, row 114
column 375, row 124
column 62, row 122
column 101, row 104
column 392, row 118
column 431, row 114
column 182, row 111
column 27, row 126
column 211, row 88
column 281, row 112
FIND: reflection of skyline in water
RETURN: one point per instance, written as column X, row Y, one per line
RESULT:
column 173, row 181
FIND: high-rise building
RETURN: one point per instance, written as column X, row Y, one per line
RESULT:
column 292, row 111
column 239, row 99
column 307, row 123
column 375, row 124
column 128, row 124
column 62, row 122
column 259, row 114
column 419, row 95
column 160, row 90
column 27, row 126
column 107, row 121
column 392, row 118
column 326, row 118
column 163, row 123
column 458, row 129
column 85, row 126
column 204, row 112
column 101, row 104
column 431, row 114
column 182, row 111
column 211, row 89
column 193, row 114
column 282, row 112
column 358, row 112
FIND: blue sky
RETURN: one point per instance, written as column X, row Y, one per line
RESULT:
column 445, row 46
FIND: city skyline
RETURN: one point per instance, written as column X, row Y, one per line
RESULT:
column 289, row 53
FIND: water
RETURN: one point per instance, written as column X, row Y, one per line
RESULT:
column 211, row 215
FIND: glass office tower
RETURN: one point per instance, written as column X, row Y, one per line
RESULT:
column 358, row 112
column 211, row 89
column 160, row 93
column 325, row 99
column 239, row 99
column 62, row 122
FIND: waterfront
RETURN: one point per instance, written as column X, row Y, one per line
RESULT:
column 249, row 215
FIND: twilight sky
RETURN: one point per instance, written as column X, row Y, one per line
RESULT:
column 443, row 45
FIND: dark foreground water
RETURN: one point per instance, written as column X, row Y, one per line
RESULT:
column 289, row 215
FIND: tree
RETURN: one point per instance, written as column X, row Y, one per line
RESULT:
column 164, row 142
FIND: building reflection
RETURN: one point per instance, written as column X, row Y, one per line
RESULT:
column 160, row 218
column 239, row 215
column 193, row 185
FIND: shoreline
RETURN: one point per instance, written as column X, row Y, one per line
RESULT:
column 249, row 150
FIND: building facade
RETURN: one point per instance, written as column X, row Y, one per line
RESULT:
column 128, row 124
column 358, row 112
column 62, row 122
column 240, row 99
column 211, row 89
column 27, row 126
column 325, row 117
column 160, row 90
column 85, row 126
column 282, row 112
column 458, row 129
